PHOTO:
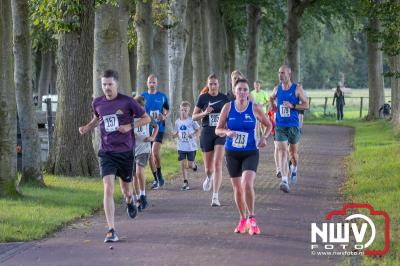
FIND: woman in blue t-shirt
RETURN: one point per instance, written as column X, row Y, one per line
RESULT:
column 238, row 123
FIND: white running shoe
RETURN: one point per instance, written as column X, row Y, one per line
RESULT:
column 207, row 184
column 215, row 202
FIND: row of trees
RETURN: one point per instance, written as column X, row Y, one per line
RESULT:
column 181, row 41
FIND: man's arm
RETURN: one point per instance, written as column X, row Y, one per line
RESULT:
column 304, row 100
column 143, row 120
column 89, row 126
column 272, row 98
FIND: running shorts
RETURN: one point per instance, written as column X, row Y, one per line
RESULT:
column 239, row 161
column 117, row 164
column 189, row 155
column 289, row 134
column 208, row 139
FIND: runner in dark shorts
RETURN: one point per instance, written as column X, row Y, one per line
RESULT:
column 238, row 123
column 114, row 113
column 207, row 109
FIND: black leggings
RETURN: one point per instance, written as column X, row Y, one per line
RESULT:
column 339, row 111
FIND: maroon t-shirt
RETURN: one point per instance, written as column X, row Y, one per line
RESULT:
column 114, row 113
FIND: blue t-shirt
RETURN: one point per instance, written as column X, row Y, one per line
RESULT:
column 244, row 123
column 155, row 103
column 286, row 117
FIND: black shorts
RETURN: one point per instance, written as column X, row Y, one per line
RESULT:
column 239, row 161
column 301, row 112
column 118, row 164
column 159, row 138
column 189, row 155
column 208, row 139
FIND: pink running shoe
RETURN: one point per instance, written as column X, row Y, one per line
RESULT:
column 252, row 226
column 241, row 227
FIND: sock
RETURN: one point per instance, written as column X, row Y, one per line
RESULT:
column 159, row 171
column 293, row 168
column 155, row 176
column 142, row 193
column 251, row 216
column 215, row 195
column 185, row 181
column 285, row 179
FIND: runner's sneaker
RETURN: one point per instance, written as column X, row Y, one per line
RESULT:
column 160, row 181
column 252, row 226
column 293, row 178
column 207, row 184
column 215, row 202
column 284, row 186
column 241, row 227
column 195, row 167
column 278, row 174
column 111, row 236
column 185, row 185
column 155, row 185
column 131, row 209
column 139, row 205
column 143, row 202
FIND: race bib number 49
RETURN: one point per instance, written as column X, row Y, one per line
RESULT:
column 240, row 140
column 213, row 119
column 284, row 111
column 110, row 123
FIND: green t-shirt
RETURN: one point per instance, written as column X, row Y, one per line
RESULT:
column 260, row 97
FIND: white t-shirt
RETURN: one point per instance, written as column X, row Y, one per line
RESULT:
column 141, row 133
column 186, row 140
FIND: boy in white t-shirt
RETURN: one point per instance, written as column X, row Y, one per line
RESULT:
column 186, row 131
column 142, row 156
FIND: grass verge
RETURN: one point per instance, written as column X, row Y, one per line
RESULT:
column 42, row 211
column 374, row 178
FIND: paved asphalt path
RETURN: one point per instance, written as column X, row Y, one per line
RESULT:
column 181, row 228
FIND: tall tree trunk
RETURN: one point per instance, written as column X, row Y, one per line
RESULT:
column 53, row 78
column 395, row 85
column 253, row 33
column 375, row 70
column 72, row 154
column 45, row 73
column 111, row 44
column 204, row 34
column 132, row 67
column 8, row 112
column 231, row 42
column 31, row 170
column 187, row 87
column 292, row 36
column 160, row 55
column 36, row 74
column 144, row 42
column 198, row 57
column 176, row 53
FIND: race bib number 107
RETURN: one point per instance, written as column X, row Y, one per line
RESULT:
column 284, row 111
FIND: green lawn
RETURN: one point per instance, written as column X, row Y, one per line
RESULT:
column 374, row 177
column 42, row 211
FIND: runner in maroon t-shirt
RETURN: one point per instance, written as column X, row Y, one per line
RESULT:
column 114, row 113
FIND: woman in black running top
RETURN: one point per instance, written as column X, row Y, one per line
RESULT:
column 207, row 110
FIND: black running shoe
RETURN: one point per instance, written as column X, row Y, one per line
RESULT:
column 143, row 201
column 160, row 181
column 155, row 185
column 111, row 236
column 278, row 174
column 131, row 209
column 195, row 167
column 185, row 186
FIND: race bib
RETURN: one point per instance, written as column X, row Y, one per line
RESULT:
column 284, row 111
column 184, row 136
column 240, row 140
column 154, row 114
column 110, row 122
column 213, row 119
column 141, row 131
